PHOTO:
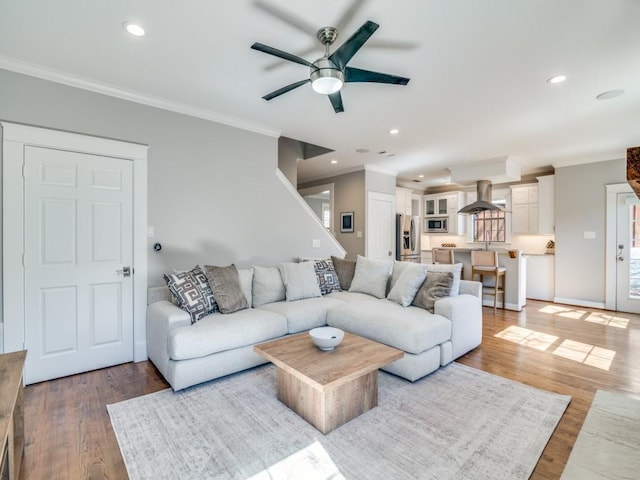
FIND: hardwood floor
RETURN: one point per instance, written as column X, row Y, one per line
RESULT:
column 565, row 349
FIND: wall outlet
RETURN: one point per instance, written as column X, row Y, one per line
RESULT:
column 589, row 235
column 150, row 231
column 316, row 243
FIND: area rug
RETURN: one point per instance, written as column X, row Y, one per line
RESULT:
column 457, row 423
column 608, row 445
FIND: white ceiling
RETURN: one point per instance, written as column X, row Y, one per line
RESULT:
column 478, row 72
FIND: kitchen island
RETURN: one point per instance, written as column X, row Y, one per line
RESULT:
column 516, row 275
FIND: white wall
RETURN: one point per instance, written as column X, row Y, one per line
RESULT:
column 580, row 207
column 213, row 193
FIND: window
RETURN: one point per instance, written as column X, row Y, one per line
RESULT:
column 490, row 225
column 326, row 216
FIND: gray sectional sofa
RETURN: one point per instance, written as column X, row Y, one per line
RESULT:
column 219, row 344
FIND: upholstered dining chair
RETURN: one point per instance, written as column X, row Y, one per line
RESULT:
column 485, row 263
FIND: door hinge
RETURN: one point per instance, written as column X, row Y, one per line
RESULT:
column 24, row 171
column 23, row 260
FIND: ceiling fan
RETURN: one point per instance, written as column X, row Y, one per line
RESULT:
column 330, row 72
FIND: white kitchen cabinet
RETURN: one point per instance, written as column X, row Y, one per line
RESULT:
column 403, row 200
column 524, row 209
column 546, row 205
column 446, row 205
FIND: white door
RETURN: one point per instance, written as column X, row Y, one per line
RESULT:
column 380, row 225
column 78, row 241
column 628, row 253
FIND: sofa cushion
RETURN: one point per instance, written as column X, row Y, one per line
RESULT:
column 216, row 333
column 192, row 292
column 371, row 276
column 225, row 285
column 304, row 314
column 299, row 280
column 346, row 296
column 407, row 284
column 345, row 270
column 267, row 285
column 411, row 329
column 436, row 286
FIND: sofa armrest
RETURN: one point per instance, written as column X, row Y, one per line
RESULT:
column 471, row 288
column 465, row 313
column 162, row 317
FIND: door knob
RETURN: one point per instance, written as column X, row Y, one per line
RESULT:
column 124, row 271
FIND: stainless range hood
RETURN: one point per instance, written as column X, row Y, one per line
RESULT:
column 483, row 201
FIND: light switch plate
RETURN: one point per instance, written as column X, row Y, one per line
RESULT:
column 359, row 234
column 316, row 243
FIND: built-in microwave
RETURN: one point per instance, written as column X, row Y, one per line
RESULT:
column 436, row 225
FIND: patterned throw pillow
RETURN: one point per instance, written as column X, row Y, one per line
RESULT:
column 327, row 276
column 193, row 293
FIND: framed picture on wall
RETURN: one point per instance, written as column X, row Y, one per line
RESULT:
column 346, row 222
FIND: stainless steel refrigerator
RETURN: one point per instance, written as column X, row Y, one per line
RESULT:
column 407, row 238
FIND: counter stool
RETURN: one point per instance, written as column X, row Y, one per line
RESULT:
column 485, row 263
column 444, row 255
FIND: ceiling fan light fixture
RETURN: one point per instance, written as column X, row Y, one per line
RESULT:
column 326, row 78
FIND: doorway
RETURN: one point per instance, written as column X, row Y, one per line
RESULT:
column 623, row 249
column 72, row 240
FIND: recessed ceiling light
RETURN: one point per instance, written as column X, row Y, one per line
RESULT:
column 362, row 150
column 557, row 79
column 610, row 94
column 421, row 176
column 394, row 131
column 134, row 29
column 334, row 161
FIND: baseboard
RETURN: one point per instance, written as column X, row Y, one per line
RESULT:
column 579, row 303
column 507, row 306
column 140, row 352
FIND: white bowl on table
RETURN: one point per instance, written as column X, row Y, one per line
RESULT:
column 326, row 338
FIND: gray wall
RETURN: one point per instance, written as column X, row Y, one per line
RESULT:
column 289, row 151
column 580, row 206
column 348, row 196
column 213, row 193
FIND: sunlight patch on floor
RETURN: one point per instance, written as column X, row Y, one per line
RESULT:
column 530, row 338
column 584, row 353
column 591, row 355
column 606, row 319
column 312, row 462
column 601, row 318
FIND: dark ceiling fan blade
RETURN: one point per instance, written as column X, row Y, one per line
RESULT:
column 302, row 53
column 279, row 53
column 336, row 101
column 348, row 14
column 357, row 75
column 280, row 91
column 349, row 48
column 296, row 22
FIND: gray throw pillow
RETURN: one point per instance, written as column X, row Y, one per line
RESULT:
column 437, row 285
column 299, row 280
column 225, row 284
column 192, row 292
column 455, row 269
column 371, row 276
column 345, row 270
column 267, row 286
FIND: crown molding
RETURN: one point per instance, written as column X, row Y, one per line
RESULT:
column 25, row 68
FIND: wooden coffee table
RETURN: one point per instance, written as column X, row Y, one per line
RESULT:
column 328, row 389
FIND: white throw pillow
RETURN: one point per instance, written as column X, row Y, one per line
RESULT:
column 300, row 280
column 246, row 283
column 408, row 283
column 267, row 286
column 371, row 276
column 456, row 269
